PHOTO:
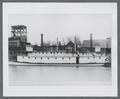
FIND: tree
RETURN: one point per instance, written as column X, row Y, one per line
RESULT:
column 68, row 39
column 77, row 42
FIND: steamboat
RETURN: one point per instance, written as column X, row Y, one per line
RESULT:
column 22, row 52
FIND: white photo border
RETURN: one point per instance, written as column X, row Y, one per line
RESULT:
column 49, row 8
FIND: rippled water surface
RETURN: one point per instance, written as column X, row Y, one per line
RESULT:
column 59, row 75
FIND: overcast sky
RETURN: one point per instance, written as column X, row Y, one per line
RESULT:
column 63, row 25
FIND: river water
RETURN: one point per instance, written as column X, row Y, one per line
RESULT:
column 59, row 75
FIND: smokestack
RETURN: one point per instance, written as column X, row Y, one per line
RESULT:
column 41, row 40
column 57, row 44
column 91, row 42
column 75, row 44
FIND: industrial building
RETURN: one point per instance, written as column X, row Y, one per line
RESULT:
column 18, row 41
column 103, row 46
column 18, row 44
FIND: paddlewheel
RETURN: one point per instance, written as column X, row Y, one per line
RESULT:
column 108, row 61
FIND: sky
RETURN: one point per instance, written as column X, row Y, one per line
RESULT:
column 62, row 26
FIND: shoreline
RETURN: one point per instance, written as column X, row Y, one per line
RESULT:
column 56, row 64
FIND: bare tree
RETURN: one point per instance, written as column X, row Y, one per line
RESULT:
column 63, row 41
column 77, row 40
column 68, row 39
column 47, row 43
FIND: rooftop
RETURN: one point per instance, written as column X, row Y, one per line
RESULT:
column 19, row 27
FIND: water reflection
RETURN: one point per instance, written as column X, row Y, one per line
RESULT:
column 51, row 75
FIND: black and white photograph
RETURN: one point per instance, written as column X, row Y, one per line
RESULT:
column 59, row 49
column 58, row 45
